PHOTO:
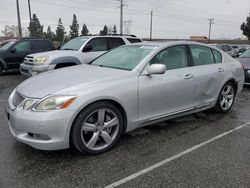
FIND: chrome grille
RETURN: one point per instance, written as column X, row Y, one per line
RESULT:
column 17, row 99
column 29, row 60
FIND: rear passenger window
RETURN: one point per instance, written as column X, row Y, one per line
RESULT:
column 133, row 40
column 41, row 46
column 173, row 57
column 201, row 55
column 217, row 56
column 115, row 42
column 98, row 44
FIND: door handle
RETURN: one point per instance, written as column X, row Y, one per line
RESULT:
column 220, row 70
column 188, row 76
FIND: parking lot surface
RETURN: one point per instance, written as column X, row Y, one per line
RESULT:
column 221, row 162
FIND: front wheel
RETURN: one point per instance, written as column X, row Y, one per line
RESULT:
column 97, row 128
column 1, row 70
column 226, row 98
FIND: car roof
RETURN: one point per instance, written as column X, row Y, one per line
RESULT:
column 105, row 36
column 169, row 43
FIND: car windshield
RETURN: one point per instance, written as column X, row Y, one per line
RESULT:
column 7, row 45
column 246, row 54
column 124, row 57
column 74, row 44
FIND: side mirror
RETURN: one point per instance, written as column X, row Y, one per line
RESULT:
column 13, row 50
column 156, row 69
column 87, row 48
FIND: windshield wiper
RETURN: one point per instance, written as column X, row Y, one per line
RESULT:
column 112, row 67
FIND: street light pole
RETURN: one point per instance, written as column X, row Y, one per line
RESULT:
column 151, row 24
column 121, row 17
column 29, row 10
column 19, row 20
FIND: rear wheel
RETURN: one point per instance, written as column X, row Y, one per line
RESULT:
column 97, row 128
column 226, row 98
column 1, row 70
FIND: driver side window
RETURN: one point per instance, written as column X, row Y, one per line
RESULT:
column 23, row 46
column 173, row 57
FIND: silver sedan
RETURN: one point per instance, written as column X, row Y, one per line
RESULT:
column 132, row 86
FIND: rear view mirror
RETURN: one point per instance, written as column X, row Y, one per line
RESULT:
column 13, row 50
column 87, row 48
column 156, row 69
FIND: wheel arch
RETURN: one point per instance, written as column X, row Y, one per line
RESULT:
column 234, row 82
column 66, row 59
column 3, row 64
column 112, row 101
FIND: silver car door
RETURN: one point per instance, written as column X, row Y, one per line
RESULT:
column 169, row 93
column 208, row 75
column 98, row 45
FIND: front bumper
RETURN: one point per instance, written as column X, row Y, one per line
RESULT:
column 31, row 70
column 41, row 130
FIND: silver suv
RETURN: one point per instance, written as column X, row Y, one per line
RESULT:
column 77, row 51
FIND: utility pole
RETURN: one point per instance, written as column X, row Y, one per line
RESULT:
column 210, row 25
column 19, row 20
column 121, row 17
column 29, row 10
column 151, row 25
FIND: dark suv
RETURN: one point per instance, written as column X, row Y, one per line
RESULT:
column 13, row 53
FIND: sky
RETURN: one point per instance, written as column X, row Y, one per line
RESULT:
column 177, row 19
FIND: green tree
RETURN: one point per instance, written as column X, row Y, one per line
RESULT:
column 85, row 30
column 104, row 31
column 245, row 27
column 49, row 34
column 114, row 30
column 35, row 28
column 74, row 28
column 60, row 31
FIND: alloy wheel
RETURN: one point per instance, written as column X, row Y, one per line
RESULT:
column 99, row 129
column 227, row 97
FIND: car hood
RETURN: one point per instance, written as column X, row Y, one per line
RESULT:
column 245, row 62
column 68, row 79
column 2, row 51
column 55, row 53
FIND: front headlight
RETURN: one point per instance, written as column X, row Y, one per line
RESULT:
column 40, row 60
column 54, row 103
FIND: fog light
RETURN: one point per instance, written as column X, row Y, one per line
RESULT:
column 39, row 136
column 33, row 73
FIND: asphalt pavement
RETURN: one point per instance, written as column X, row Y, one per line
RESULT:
column 203, row 150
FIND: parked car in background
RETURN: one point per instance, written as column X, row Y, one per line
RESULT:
column 75, row 52
column 245, row 60
column 227, row 49
column 132, row 86
column 12, row 54
column 242, row 49
column 236, row 50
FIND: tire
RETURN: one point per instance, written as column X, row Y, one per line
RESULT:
column 1, row 70
column 226, row 98
column 91, row 133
